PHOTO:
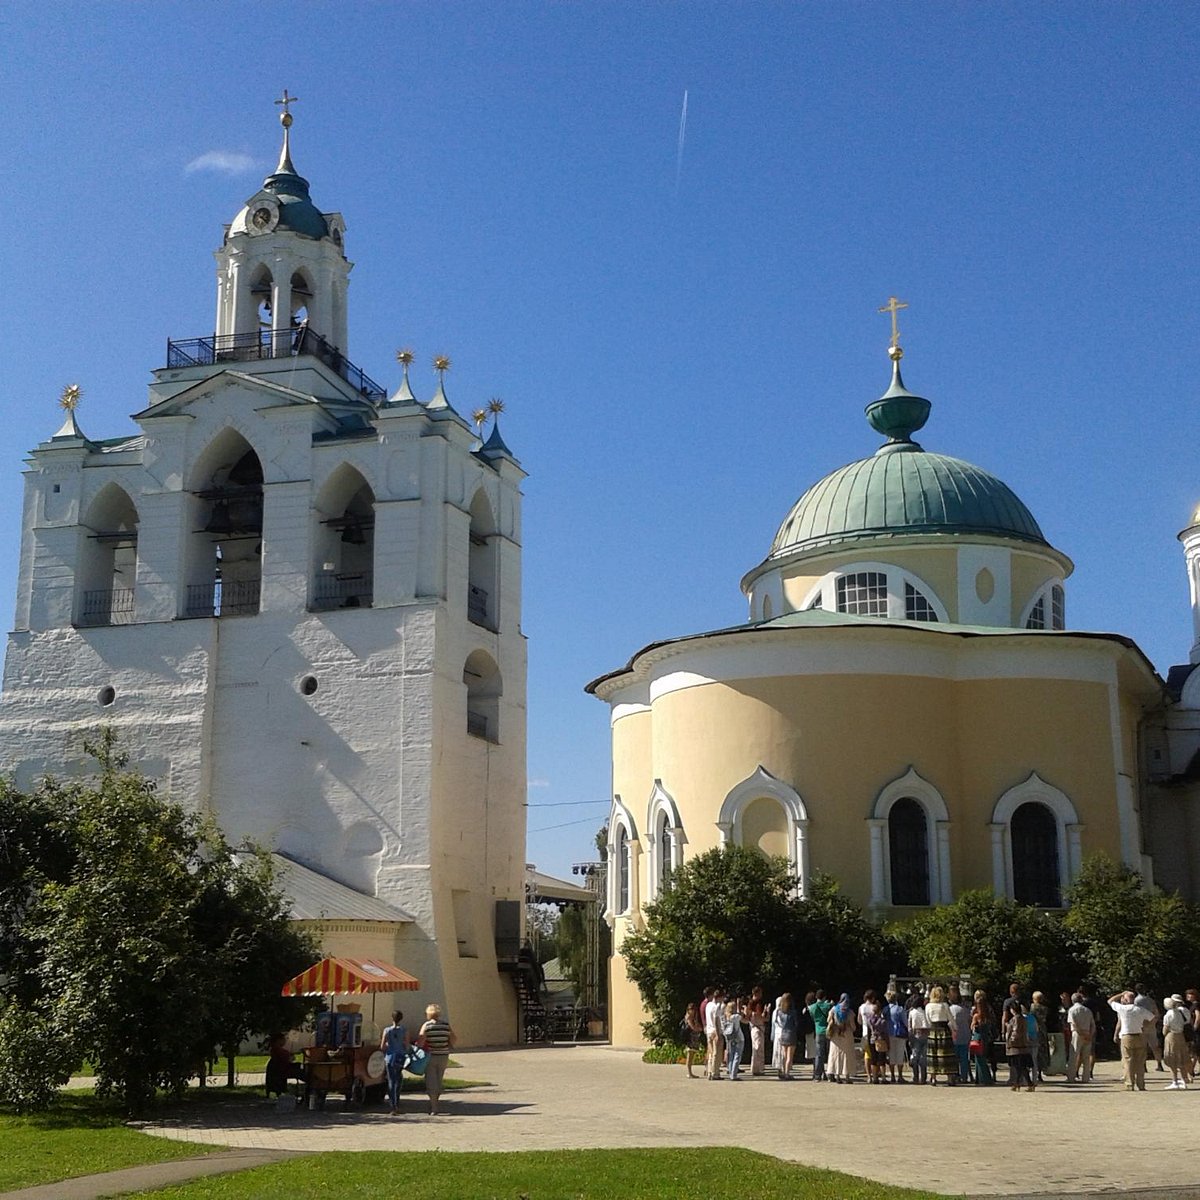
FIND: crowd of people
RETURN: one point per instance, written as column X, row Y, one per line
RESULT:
column 926, row 1034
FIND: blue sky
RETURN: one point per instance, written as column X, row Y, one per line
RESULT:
column 683, row 342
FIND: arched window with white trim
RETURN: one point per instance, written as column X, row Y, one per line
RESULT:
column 874, row 589
column 1036, row 843
column 766, row 813
column 1047, row 608
column 665, row 838
column 622, row 862
column 910, row 844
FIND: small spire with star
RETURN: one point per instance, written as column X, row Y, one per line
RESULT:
column 441, row 364
column 495, row 444
column 404, row 392
column 68, row 401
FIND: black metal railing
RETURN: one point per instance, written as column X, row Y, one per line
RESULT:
column 342, row 591
column 107, row 606
column 265, row 343
column 223, row 599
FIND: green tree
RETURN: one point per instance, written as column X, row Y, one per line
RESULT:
column 993, row 941
column 142, row 942
column 1132, row 934
column 730, row 917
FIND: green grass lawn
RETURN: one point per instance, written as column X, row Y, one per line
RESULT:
column 541, row 1175
column 78, row 1137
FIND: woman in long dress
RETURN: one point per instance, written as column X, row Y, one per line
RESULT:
column 756, row 1015
column 841, row 1024
column 941, row 1057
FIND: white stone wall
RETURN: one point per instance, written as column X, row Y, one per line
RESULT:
column 373, row 778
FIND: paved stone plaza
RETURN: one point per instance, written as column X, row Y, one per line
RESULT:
column 1074, row 1140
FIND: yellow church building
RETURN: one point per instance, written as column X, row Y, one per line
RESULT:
column 906, row 708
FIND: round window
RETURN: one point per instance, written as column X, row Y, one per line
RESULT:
column 107, row 696
column 308, row 685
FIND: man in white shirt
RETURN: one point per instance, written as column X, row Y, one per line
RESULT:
column 1131, row 1025
column 712, row 1030
column 1082, row 1026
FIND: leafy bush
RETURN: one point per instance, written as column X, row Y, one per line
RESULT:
column 34, row 1062
column 1132, row 934
column 730, row 917
column 993, row 942
column 667, row 1052
column 138, row 937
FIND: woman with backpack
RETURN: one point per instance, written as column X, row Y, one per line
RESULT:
column 874, row 1037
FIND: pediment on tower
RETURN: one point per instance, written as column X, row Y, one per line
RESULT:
column 239, row 387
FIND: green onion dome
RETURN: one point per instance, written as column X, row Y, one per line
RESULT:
column 903, row 489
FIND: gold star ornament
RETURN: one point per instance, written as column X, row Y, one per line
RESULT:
column 495, row 405
column 404, row 357
column 479, row 416
column 441, row 363
column 71, row 395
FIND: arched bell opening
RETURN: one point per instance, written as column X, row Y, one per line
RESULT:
column 107, row 569
column 485, row 685
column 225, row 541
column 483, row 606
column 344, row 543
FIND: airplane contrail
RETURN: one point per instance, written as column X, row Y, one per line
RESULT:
column 682, row 136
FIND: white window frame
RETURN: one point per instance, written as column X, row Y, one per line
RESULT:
column 1045, row 593
column 911, row 786
column 897, row 577
column 662, row 815
column 1066, row 820
column 761, row 784
column 620, row 817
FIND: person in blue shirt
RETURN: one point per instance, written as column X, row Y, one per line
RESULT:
column 394, row 1045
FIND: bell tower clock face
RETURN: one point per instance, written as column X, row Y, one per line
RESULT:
column 263, row 217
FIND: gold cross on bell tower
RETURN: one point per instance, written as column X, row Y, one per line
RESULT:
column 286, row 117
column 893, row 306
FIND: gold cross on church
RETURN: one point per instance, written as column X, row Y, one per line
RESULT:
column 285, row 101
column 893, row 306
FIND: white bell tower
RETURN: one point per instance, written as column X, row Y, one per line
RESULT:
column 282, row 272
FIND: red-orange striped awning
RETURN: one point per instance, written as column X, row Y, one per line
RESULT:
column 350, row 977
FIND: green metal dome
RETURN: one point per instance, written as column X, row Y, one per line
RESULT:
column 903, row 489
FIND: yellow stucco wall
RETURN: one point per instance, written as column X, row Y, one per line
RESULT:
column 838, row 739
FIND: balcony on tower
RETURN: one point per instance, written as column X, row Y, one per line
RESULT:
column 299, row 341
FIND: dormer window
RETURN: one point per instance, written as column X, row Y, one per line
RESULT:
column 876, row 590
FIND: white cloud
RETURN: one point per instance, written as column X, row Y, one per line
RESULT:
column 538, row 783
column 225, row 162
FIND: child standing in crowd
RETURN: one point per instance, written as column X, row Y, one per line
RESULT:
column 735, row 1039
column 783, row 1026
